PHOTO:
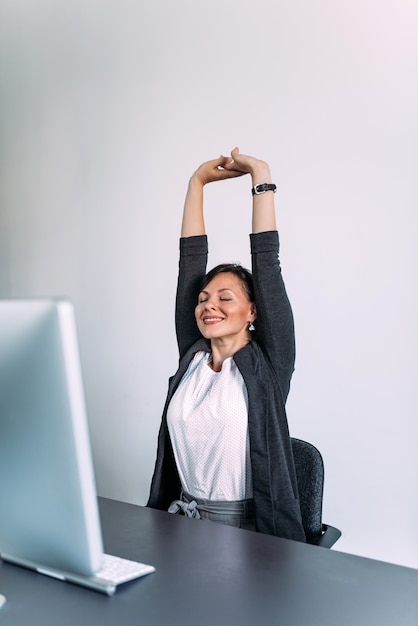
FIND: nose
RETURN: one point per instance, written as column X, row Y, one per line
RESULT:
column 209, row 305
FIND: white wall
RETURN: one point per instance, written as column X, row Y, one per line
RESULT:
column 106, row 109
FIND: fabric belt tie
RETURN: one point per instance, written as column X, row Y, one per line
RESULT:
column 189, row 509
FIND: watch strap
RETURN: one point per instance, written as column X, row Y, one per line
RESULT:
column 262, row 188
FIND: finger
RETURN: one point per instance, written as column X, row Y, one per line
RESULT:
column 235, row 173
column 236, row 163
column 224, row 160
column 226, row 163
column 229, row 171
column 225, row 173
column 236, row 159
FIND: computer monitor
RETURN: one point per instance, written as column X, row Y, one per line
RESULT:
column 49, row 517
column 48, row 505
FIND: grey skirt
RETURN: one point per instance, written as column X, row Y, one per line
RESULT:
column 239, row 513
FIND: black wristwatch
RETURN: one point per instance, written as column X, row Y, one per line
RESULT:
column 262, row 188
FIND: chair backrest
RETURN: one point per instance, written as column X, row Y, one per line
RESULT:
column 310, row 478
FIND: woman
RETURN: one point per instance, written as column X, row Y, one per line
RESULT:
column 224, row 451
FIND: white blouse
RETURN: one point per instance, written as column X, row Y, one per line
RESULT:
column 208, row 424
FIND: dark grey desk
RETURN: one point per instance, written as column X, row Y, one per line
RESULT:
column 208, row 574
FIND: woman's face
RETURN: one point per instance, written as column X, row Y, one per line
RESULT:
column 223, row 309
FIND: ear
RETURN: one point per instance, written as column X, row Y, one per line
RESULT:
column 253, row 311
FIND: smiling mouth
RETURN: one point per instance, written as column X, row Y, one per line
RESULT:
column 212, row 320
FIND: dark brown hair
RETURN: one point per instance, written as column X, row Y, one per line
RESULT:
column 240, row 272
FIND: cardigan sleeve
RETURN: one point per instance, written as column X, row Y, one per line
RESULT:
column 192, row 268
column 275, row 328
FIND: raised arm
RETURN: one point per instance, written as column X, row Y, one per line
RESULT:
column 264, row 217
column 275, row 331
column 193, row 249
column 193, row 220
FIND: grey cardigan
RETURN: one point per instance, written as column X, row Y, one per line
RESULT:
column 266, row 365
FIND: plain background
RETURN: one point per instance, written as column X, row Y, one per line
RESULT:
column 108, row 106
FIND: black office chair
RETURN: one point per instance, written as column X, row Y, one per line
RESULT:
column 310, row 478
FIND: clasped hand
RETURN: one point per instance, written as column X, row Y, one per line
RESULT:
column 231, row 167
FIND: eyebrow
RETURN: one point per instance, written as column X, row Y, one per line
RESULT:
column 223, row 289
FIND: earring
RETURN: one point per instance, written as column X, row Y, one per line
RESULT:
column 251, row 327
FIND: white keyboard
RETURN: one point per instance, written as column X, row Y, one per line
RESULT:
column 117, row 570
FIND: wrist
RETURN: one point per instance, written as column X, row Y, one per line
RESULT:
column 196, row 182
column 260, row 173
